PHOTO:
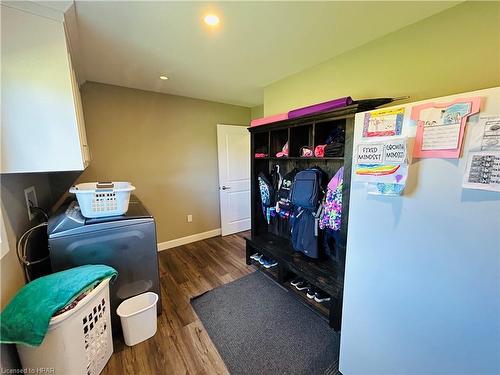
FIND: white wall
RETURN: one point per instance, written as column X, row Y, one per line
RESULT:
column 422, row 286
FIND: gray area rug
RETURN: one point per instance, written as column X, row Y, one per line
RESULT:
column 258, row 328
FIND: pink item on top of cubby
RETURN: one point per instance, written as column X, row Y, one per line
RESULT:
column 269, row 119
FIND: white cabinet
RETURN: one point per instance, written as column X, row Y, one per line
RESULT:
column 42, row 127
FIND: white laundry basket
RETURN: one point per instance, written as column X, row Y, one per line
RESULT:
column 100, row 199
column 78, row 342
column 138, row 317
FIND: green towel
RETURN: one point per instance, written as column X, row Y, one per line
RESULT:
column 25, row 320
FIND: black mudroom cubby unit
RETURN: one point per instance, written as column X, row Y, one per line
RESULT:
column 274, row 240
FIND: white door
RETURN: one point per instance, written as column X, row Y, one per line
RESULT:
column 233, row 144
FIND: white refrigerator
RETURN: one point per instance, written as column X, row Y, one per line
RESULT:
column 422, row 283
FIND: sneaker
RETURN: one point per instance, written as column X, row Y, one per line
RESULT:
column 297, row 281
column 311, row 292
column 303, row 285
column 268, row 262
column 321, row 296
column 256, row 256
column 261, row 258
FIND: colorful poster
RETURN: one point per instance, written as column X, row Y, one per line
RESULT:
column 483, row 171
column 396, row 174
column 383, row 122
column 383, row 165
column 440, row 127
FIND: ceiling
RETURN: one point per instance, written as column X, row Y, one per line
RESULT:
column 132, row 43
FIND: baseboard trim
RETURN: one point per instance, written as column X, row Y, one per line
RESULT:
column 188, row 239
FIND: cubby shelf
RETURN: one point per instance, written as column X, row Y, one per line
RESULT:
column 273, row 240
column 325, row 274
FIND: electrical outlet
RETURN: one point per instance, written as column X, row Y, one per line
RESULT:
column 31, row 201
column 190, row 218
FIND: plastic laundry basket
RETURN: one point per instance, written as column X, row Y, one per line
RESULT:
column 100, row 199
column 78, row 341
column 138, row 317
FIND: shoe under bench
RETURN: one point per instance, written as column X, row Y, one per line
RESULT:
column 324, row 274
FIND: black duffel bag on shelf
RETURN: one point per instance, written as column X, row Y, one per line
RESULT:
column 334, row 149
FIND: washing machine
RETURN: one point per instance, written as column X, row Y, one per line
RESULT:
column 126, row 242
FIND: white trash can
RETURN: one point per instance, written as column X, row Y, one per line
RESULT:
column 138, row 317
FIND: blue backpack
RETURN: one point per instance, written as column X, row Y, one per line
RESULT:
column 306, row 195
column 307, row 189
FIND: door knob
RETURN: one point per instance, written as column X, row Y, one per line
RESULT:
column 225, row 187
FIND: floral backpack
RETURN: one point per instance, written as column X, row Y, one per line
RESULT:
column 332, row 204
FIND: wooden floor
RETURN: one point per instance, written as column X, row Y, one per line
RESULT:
column 181, row 345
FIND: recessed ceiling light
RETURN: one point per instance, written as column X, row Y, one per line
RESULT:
column 164, row 78
column 211, row 20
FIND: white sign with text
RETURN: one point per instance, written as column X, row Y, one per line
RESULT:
column 385, row 152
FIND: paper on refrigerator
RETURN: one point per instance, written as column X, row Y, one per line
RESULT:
column 383, row 122
column 482, row 171
column 393, row 151
column 482, row 168
column 441, row 126
column 383, row 165
column 490, row 140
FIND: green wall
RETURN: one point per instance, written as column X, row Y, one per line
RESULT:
column 454, row 51
column 167, row 148
column 257, row 111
